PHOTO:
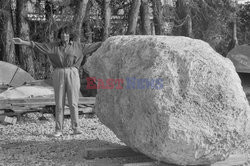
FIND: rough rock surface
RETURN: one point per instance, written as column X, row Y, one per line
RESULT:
column 194, row 113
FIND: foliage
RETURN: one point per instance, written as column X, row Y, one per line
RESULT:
column 211, row 20
column 244, row 23
column 120, row 11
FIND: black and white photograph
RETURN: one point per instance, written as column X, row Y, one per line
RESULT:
column 124, row 82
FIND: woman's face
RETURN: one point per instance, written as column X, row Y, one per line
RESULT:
column 65, row 37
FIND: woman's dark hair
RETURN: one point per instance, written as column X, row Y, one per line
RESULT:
column 63, row 30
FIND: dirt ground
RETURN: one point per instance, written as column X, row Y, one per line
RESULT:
column 29, row 142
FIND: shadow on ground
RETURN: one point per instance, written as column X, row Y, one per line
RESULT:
column 61, row 152
column 56, row 151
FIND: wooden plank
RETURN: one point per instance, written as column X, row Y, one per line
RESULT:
column 121, row 151
column 233, row 160
column 20, row 110
column 100, row 163
column 24, row 108
column 5, row 106
column 141, row 164
column 152, row 163
column 83, row 100
column 27, row 100
column 16, row 113
column 237, row 159
column 31, row 102
column 17, row 110
column 86, row 110
column 85, row 105
column 28, row 110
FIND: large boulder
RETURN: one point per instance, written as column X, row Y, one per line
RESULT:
column 181, row 101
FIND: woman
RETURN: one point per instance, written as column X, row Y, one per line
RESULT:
column 66, row 57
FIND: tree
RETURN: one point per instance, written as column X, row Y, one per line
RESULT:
column 184, row 13
column 7, row 49
column 24, row 54
column 87, row 23
column 107, row 11
column 234, row 40
column 145, row 18
column 133, row 17
column 189, row 19
column 80, row 12
column 49, row 12
column 157, row 16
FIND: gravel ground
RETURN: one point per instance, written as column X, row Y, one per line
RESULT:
column 29, row 142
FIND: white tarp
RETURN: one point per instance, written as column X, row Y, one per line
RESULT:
column 12, row 75
column 240, row 56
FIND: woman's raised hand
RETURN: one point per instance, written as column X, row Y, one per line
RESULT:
column 17, row 41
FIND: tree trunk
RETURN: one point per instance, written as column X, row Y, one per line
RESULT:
column 89, row 33
column 235, row 24
column 87, row 23
column 50, row 36
column 107, row 11
column 145, row 19
column 234, row 40
column 25, row 54
column 235, row 32
column 184, row 12
column 157, row 13
column 189, row 21
column 7, row 49
column 48, row 65
column 80, row 12
column 133, row 17
column 245, row 34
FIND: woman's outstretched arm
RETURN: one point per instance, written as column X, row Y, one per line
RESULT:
column 21, row 42
column 90, row 48
column 44, row 48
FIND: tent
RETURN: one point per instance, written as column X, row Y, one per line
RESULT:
column 240, row 56
column 12, row 75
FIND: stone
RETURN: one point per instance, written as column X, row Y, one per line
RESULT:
column 8, row 120
column 181, row 102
